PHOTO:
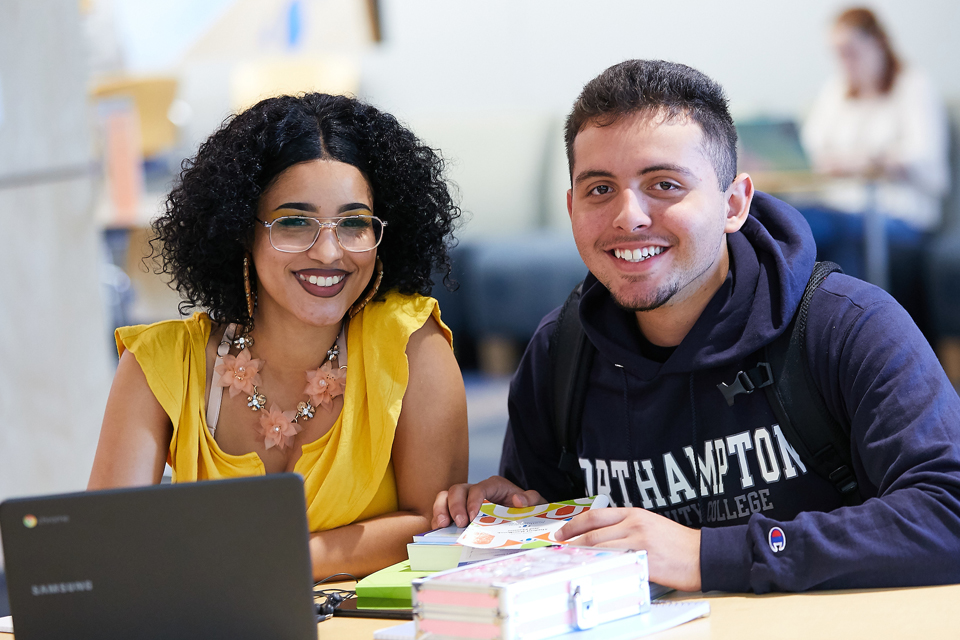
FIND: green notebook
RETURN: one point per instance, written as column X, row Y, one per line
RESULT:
column 383, row 603
column 392, row 583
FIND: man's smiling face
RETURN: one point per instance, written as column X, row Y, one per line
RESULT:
column 649, row 217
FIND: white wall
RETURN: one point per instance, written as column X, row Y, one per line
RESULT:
column 453, row 55
column 451, row 69
column 54, row 342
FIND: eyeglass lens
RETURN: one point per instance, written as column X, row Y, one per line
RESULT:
column 298, row 233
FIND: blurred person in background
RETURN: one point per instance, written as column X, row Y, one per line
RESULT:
column 307, row 229
column 880, row 130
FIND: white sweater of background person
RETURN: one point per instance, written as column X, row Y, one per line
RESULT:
column 905, row 128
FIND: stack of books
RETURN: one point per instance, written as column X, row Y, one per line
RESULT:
column 440, row 549
column 436, row 550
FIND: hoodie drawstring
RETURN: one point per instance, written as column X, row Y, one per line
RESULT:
column 626, row 411
column 696, row 462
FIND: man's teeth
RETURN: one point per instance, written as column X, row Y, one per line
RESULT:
column 321, row 282
column 637, row 255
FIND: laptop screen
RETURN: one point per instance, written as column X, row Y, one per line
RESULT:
column 770, row 145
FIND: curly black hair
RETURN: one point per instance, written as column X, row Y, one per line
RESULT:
column 207, row 227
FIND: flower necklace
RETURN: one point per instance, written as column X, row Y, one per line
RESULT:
column 277, row 427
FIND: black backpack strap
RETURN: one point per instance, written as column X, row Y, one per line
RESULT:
column 820, row 439
column 571, row 355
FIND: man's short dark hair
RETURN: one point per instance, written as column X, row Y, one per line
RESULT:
column 657, row 87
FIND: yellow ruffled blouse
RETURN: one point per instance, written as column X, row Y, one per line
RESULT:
column 347, row 473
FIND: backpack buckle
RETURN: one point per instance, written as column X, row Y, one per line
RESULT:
column 747, row 382
column 844, row 480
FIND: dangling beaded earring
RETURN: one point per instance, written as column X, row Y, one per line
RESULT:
column 244, row 339
column 371, row 290
column 248, row 289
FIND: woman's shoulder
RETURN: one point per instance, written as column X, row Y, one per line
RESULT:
column 165, row 336
column 399, row 306
column 404, row 313
column 912, row 81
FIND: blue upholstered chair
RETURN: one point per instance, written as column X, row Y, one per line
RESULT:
column 944, row 258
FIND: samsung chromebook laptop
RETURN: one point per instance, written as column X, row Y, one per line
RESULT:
column 213, row 559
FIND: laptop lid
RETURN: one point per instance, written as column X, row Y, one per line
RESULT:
column 212, row 559
column 768, row 144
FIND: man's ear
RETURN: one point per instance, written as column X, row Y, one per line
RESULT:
column 739, row 195
column 570, row 203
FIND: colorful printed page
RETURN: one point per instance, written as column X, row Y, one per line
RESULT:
column 500, row 527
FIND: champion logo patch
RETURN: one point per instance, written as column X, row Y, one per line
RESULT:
column 777, row 539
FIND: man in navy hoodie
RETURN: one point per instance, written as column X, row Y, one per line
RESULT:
column 691, row 274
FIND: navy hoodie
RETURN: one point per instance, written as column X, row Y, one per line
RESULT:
column 659, row 435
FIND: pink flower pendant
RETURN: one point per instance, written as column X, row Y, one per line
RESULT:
column 278, row 428
column 324, row 384
column 240, row 373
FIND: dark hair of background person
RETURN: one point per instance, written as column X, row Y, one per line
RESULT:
column 208, row 224
column 656, row 87
column 865, row 21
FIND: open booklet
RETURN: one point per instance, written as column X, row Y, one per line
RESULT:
column 500, row 527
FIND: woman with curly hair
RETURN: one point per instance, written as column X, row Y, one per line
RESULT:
column 307, row 228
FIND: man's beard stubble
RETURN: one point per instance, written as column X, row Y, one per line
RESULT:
column 661, row 298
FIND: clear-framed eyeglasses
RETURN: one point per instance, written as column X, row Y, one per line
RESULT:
column 294, row 234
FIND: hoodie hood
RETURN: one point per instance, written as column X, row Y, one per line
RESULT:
column 771, row 259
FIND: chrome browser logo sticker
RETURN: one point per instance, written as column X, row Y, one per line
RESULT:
column 29, row 521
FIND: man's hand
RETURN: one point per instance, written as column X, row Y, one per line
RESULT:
column 462, row 502
column 673, row 550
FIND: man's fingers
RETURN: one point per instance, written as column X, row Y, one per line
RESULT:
column 532, row 498
column 495, row 489
column 612, row 536
column 478, row 493
column 524, row 499
column 457, row 504
column 461, row 503
column 441, row 516
column 590, row 521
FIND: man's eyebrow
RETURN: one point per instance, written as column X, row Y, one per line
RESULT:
column 676, row 168
column 587, row 175
column 597, row 173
